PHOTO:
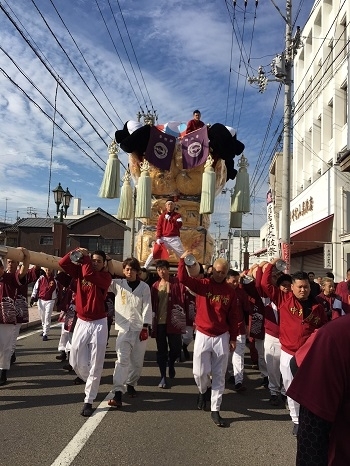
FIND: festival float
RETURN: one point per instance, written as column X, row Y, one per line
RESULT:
column 165, row 162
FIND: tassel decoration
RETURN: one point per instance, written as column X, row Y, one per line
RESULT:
column 241, row 197
column 208, row 187
column 110, row 187
column 125, row 210
column 144, row 192
column 236, row 219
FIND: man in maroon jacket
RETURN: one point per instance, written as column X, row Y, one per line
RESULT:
column 168, row 231
column 195, row 123
column 299, row 316
column 216, row 321
column 89, row 340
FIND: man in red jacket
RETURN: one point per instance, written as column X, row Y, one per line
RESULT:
column 89, row 340
column 195, row 123
column 168, row 231
column 299, row 316
column 216, row 321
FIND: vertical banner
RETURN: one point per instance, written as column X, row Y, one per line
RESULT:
column 285, row 255
column 271, row 234
column 328, row 256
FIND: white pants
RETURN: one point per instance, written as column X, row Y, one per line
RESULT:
column 272, row 347
column 210, row 356
column 238, row 359
column 45, row 309
column 287, row 380
column 87, row 353
column 64, row 339
column 130, row 355
column 170, row 242
column 6, row 338
column 187, row 337
column 16, row 330
column 259, row 345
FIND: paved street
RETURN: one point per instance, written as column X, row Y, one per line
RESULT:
column 41, row 425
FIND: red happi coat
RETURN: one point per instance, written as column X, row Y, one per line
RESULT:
column 177, row 309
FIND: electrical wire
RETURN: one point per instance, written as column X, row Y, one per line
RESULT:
column 85, row 61
column 51, row 153
column 73, row 65
column 54, row 74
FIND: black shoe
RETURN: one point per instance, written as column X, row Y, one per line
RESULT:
column 3, row 377
column 87, row 410
column 201, row 400
column 239, row 387
column 62, row 356
column 78, row 381
column 45, row 338
column 13, row 358
column 274, row 400
column 67, row 367
column 131, row 391
column 215, row 415
column 116, row 401
column 295, row 429
column 186, row 352
column 231, row 379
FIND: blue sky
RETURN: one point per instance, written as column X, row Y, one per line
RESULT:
column 183, row 50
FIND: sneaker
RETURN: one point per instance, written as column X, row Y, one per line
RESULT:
column 45, row 338
column 163, row 383
column 274, row 400
column 239, row 387
column 131, row 391
column 87, row 410
column 295, row 429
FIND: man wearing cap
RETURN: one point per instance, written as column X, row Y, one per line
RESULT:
column 168, row 231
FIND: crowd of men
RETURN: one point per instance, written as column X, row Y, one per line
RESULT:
column 297, row 334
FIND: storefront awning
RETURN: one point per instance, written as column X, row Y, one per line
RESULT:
column 313, row 236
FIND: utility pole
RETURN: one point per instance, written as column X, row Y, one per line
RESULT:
column 282, row 69
column 287, row 154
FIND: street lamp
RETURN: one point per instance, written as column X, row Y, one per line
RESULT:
column 246, row 253
column 62, row 197
column 62, row 201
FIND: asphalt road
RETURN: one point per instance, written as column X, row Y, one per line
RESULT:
column 40, row 422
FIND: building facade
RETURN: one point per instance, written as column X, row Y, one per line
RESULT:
column 320, row 190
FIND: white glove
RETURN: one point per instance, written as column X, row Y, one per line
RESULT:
column 167, row 217
column 159, row 241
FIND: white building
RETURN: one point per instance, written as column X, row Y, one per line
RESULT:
column 320, row 179
column 320, row 190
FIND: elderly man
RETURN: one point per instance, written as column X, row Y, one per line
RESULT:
column 168, row 231
column 216, row 321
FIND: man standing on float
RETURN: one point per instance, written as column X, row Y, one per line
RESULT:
column 168, row 231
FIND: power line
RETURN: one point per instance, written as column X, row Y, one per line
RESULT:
column 55, row 76
column 73, row 65
column 87, row 64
